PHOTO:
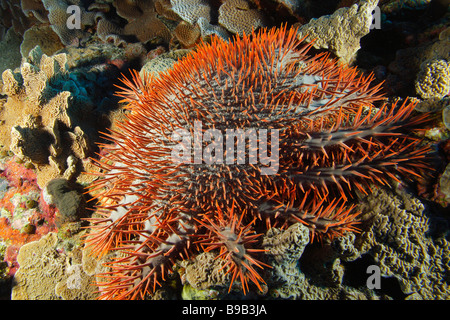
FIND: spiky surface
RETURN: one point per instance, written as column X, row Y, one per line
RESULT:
column 332, row 141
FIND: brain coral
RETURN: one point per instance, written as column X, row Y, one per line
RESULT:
column 405, row 244
column 433, row 80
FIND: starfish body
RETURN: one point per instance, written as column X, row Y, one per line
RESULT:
column 172, row 187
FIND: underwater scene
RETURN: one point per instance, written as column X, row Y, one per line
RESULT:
column 246, row 150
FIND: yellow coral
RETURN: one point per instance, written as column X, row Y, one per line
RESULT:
column 46, row 274
column 237, row 17
column 37, row 123
column 433, row 81
column 187, row 34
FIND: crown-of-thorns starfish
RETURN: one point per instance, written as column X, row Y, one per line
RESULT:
column 331, row 140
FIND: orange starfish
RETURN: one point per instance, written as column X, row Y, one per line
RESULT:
column 171, row 186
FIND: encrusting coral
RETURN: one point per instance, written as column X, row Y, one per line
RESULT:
column 46, row 273
column 164, row 195
column 405, row 239
column 341, row 32
column 142, row 25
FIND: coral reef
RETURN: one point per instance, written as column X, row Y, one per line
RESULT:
column 162, row 63
column 13, row 16
column 199, row 12
column 57, row 96
column 284, row 249
column 433, row 81
column 59, row 17
column 23, row 215
column 237, row 17
column 156, row 206
column 203, row 272
column 341, row 32
column 69, row 202
column 143, row 24
column 45, row 273
column 405, row 244
column 422, row 70
column 10, row 57
column 42, row 36
column 46, row 117
column 446, row 116
column 187, row 34
column 444, row 184
column 392, row 6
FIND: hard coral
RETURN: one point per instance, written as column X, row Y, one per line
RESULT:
column 58, row 16
column 64, row 196
column 433, row 81
column 143, row 24
column 237, row 17
column 191, row 10
column 341, row 32
column 187, row 34
column 34, row 8
column 46, row 117
column 42, row 36
column 22, row 217
column 46, row 273
column 404, row 239
column 199, row 12
column 13, row 16
column 327, row 141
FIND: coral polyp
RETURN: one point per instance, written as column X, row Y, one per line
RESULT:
column 237, row 138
